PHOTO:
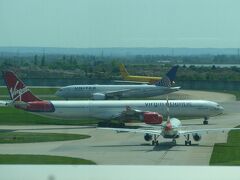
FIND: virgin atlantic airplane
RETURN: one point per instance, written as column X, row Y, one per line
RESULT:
column 148, row 110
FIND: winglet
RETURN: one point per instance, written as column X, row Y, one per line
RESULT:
column 17, row 89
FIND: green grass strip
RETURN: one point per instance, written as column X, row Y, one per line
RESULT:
column 29, row 137
column 13, row 116
column 41, row 159
column 227, row 153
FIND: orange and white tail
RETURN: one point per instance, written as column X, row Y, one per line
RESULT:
column 17, row 89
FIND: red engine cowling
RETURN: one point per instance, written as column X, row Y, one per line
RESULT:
column 152, row 118
column 36, row 106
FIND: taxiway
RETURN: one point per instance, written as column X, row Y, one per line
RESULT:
column 109, row 147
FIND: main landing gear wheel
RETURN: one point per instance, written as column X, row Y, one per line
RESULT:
column 188, row 141
column 174, row 141
column 155, row 141
column 205, row 122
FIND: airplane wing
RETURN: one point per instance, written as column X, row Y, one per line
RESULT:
column 116, row 93
column 205, row 131
column 175, row 88
column 143, row 131
column 125, row 113
column 129, row 112
column 132, row 82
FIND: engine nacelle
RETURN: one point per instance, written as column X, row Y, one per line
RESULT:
column 197, row 137
column 152, row 118
column 99, row 96
column 148, row 137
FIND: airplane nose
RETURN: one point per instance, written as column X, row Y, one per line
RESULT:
column 221, row 109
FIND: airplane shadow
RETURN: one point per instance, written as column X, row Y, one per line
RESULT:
column 123, row 145
column 162, row 146
column 192, row 124
column 166, row 146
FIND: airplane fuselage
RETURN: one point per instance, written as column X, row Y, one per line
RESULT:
column 175, row 124
column 149, row 79
column 125, row 91
column 112, row 108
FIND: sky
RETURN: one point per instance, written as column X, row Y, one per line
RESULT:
column 120, row 23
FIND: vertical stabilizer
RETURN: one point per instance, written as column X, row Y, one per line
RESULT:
column 169, row 78
column 123, row 71
column 17, row 89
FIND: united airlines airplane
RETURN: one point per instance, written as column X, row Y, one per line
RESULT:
column 22, row 98
column 101, row 92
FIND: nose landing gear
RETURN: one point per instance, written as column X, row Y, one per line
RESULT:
column 155, row 141
column 205, row 121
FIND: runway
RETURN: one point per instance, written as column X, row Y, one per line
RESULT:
column 111, row 148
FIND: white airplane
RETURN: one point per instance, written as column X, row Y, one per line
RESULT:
column 171, row 129
column 148, row 110
column 101, row 92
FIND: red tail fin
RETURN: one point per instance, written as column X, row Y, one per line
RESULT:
column 17, row 89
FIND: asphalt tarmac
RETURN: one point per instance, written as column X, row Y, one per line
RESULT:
column 112, row 148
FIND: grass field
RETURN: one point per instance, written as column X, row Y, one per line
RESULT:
column 29, row 137
column 227, row 153
column 13, row 116
column 41, row 159
column 236, row 93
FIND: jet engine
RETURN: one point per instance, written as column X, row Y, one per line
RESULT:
column 152, row 118
column 99, row 96
column 197, row 137
column 148, row 137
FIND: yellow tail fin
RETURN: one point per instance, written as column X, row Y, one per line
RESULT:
column 123, row 71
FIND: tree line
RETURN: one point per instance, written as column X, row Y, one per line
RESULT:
column 106, row 67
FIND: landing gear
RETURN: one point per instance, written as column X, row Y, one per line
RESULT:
column 155, row 141
column 174, row 141
column 111, row 124
column 188, row 141
column 205, row 121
